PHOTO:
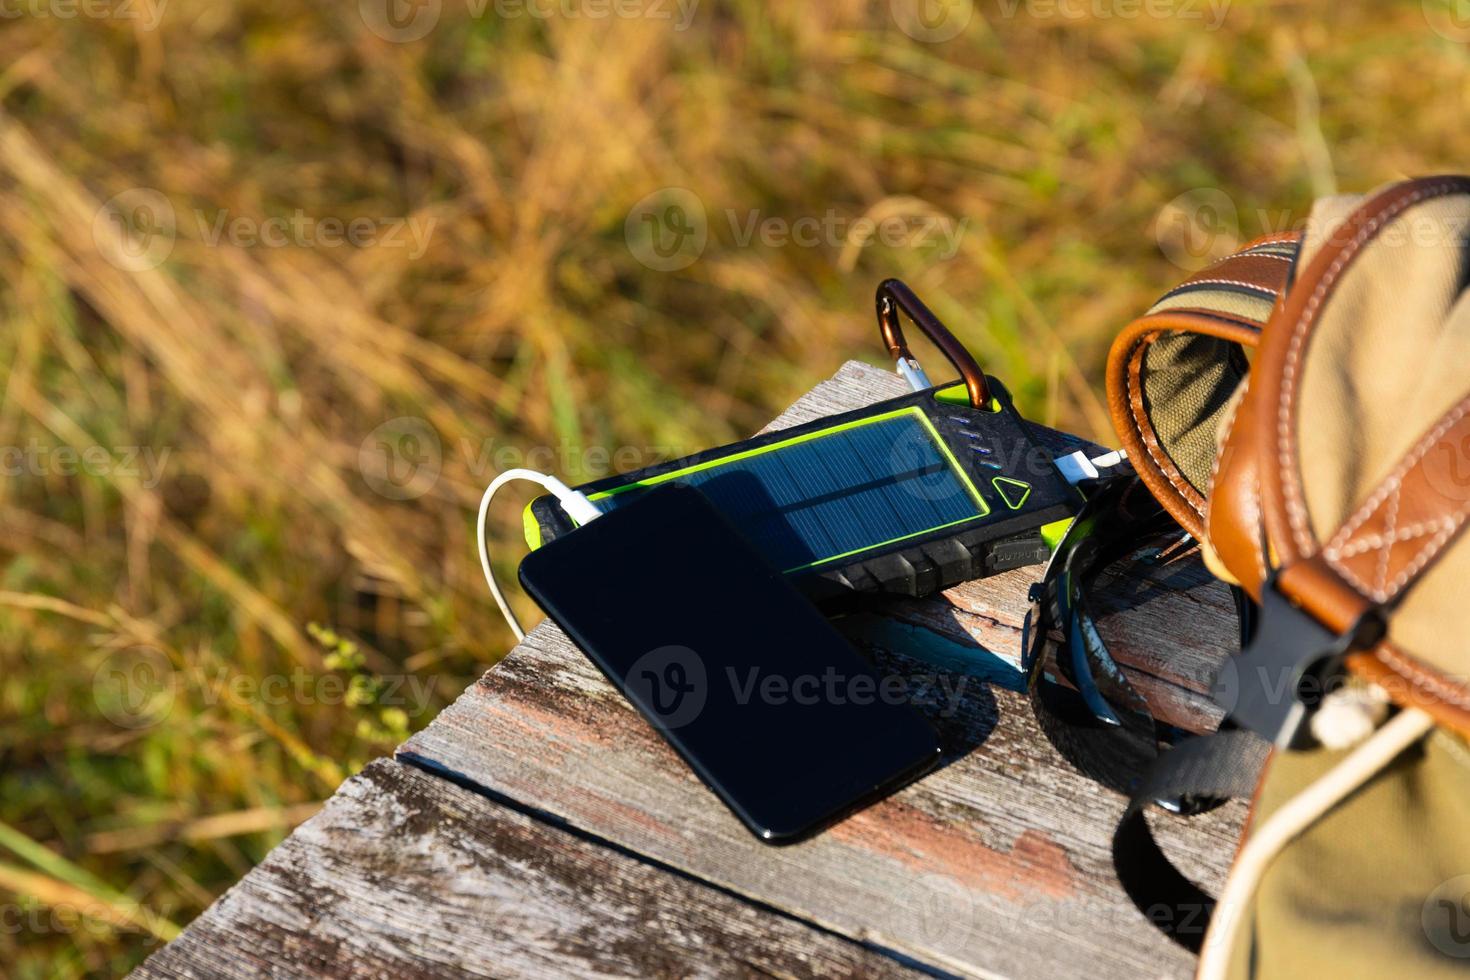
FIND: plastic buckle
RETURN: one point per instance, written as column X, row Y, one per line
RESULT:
column 1276, row 683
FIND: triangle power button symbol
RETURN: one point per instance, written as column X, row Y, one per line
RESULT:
column 1013, row 492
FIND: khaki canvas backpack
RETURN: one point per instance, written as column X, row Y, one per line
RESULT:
column 1303, row 408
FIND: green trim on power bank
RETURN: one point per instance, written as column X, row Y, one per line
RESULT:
column 911, row 410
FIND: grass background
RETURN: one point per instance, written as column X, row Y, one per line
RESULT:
column 1087, row 151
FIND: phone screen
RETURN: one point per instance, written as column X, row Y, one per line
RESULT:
column 760, row 695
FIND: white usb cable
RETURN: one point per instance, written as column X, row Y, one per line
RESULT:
column 574, row 502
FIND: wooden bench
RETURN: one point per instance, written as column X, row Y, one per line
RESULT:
column 540, row 827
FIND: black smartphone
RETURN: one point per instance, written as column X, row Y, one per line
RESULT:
column 760, row 695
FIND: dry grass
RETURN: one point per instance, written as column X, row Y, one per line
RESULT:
column 141, row 768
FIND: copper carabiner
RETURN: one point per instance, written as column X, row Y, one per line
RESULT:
column 894, row 296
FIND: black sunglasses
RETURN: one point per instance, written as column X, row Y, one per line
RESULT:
column 1083, row 702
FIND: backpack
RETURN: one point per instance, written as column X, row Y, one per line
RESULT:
column 1302, row 408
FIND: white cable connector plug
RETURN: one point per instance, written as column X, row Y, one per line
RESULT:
column 574, row 502
column 1077, row 467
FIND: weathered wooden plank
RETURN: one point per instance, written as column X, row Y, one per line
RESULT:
column 408, row 875
column 997, row 863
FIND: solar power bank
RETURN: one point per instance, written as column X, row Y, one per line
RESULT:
column 908, row 496
column 770, row 706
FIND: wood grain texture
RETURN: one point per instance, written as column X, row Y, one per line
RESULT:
column 996, row 864
column 408, row 875
column 569, row 840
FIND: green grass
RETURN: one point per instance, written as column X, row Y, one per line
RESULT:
column 167, row 711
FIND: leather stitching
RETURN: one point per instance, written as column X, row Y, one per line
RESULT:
column 1254, row 287
column 1420, row 450
column 1296, row 511
column 1343, row 545
column 1139, row 415
column 1422, row 675
column 1253, row 519
column 1225, row 432
column 1425, row 555
column 1375, row 541
column 1380, row 567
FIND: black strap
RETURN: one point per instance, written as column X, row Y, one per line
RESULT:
column 1091, row 714
column 1225, row 765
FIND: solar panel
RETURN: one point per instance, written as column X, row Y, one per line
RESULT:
column 829, row 494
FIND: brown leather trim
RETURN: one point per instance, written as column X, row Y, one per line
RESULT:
column 1322, row 589
column 1262, row 274
column 1130, row 414
column 1284, row 343
column 1409, row 518
column 1411, row 684
column 1272, row 238
column 1232, row 515
column 1318, row 589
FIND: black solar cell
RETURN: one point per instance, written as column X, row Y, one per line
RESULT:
column 829, row 495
